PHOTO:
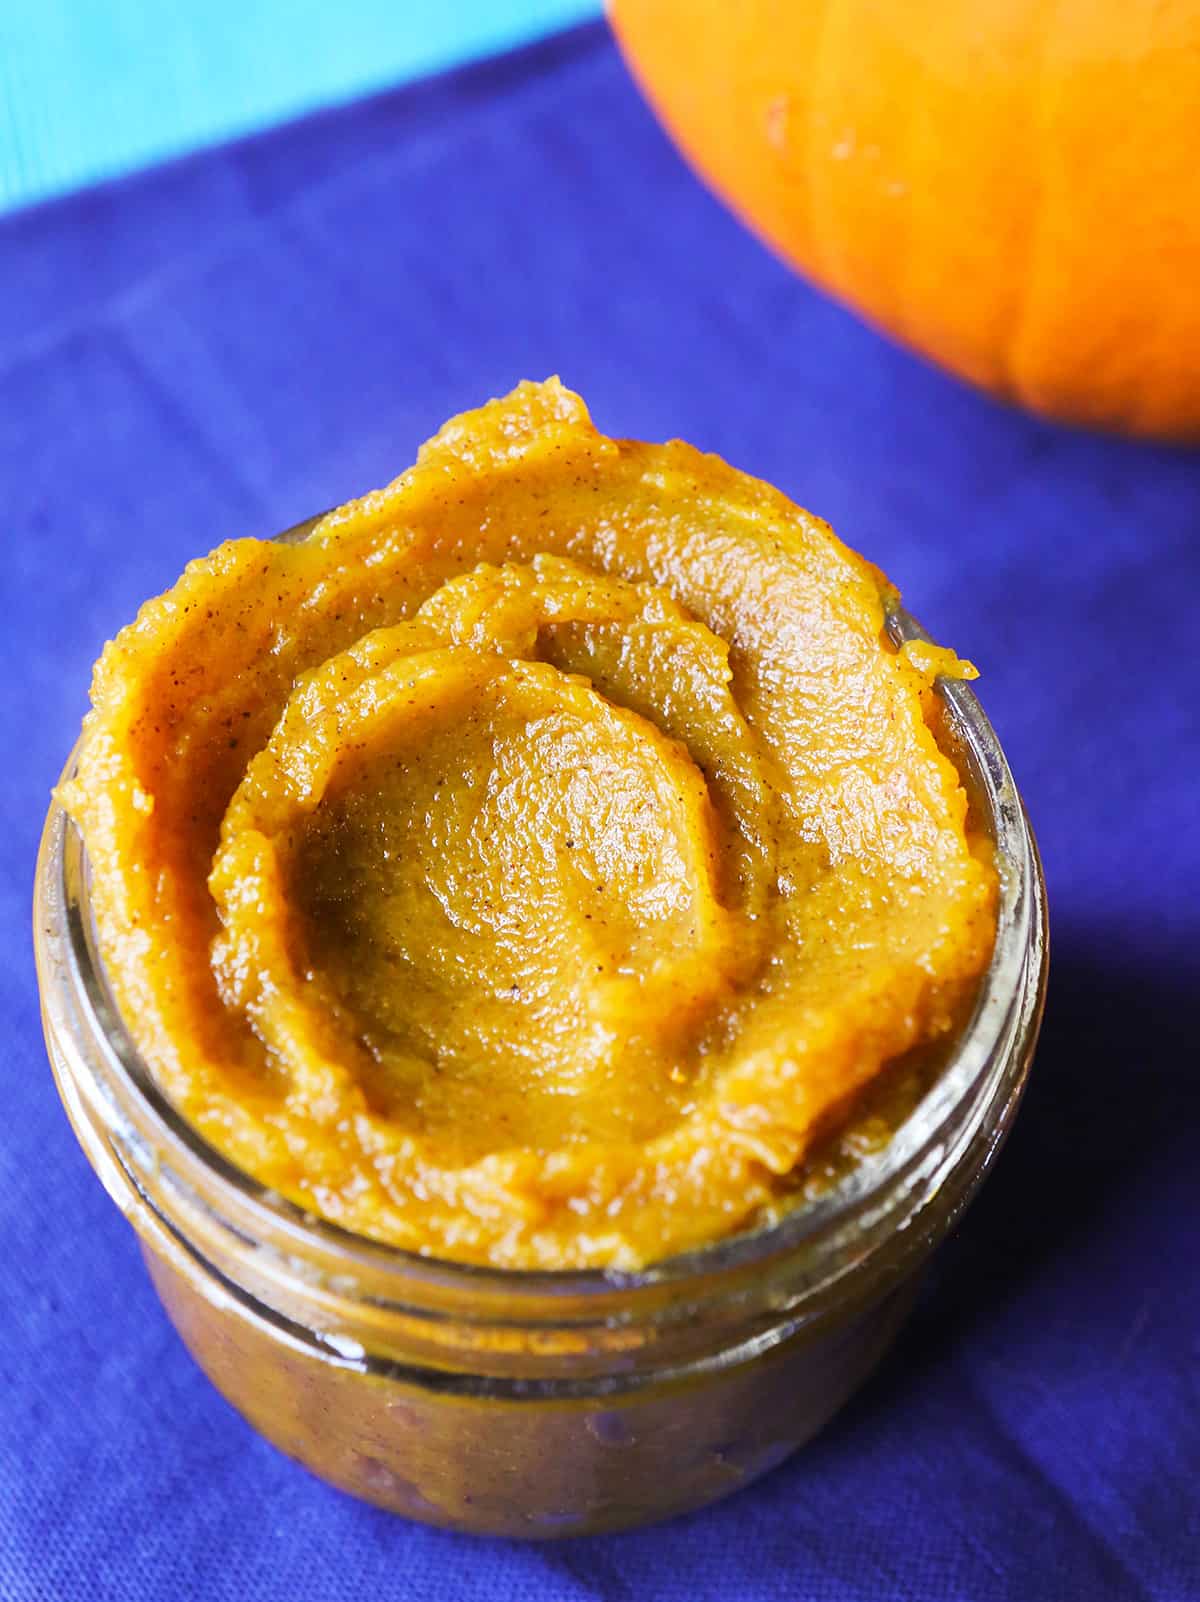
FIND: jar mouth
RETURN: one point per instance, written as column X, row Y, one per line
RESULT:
column 986, row 1065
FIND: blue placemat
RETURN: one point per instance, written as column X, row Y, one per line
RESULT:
column 226, row 345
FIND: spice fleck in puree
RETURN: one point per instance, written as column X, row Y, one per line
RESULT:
column 533, row 863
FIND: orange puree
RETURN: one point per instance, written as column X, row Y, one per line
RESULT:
column 532, row 863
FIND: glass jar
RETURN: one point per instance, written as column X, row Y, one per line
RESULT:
column 545, row 1403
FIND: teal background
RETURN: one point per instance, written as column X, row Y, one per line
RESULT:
column 90, row 89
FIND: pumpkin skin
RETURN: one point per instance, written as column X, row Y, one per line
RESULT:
column 1010, row 187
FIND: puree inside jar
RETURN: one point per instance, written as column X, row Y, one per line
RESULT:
column 533, row 864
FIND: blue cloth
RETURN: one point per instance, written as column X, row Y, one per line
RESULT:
column 226, row 345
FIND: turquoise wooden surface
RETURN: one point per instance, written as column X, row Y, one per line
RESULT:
column 93, row 88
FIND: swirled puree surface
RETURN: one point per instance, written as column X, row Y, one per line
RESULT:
column 533, row 864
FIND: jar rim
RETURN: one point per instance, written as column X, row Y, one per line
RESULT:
column 1012, row 987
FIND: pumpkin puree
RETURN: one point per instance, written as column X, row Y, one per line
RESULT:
column 532, row 863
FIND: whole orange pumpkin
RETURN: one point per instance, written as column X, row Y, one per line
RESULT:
column 1011, row 187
